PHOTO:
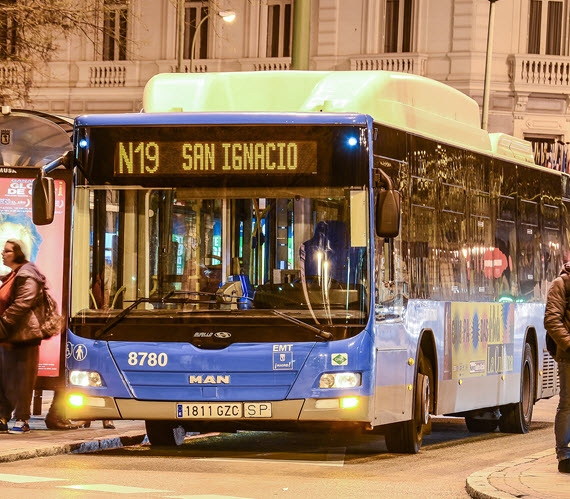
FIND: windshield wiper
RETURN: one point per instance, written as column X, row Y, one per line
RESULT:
column 102, row 333
column 325, row 335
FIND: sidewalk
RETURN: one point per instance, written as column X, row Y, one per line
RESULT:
column 43, row 442
column 534, row 476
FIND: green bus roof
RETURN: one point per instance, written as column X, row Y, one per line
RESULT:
column 407, row 102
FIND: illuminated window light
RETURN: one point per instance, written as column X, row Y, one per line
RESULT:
column 349, row 402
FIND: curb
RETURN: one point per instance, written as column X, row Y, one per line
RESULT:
column 478, row 485
column 131, row 438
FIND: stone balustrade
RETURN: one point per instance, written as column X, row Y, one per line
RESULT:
column 402, row 63
column 540, row 72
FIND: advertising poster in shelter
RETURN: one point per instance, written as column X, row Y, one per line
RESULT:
column 46, row 247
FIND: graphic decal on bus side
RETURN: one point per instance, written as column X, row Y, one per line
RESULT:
column 479, row 339
column 79, row 352
column 282, row 357
column 339, row 359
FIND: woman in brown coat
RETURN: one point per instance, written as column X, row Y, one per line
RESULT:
column 20, row 336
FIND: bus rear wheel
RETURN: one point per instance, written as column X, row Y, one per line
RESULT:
column 406, row 437
column 167, row 433
column 516, row 418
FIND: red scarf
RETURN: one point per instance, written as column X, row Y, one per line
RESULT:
column 6, row 292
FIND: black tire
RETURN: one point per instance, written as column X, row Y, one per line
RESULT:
column 516, row 418
column 167, row 433
column 406, row 437
column 481, row 425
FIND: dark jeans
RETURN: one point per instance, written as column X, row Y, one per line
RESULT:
column 18, row 372
column 562, row 421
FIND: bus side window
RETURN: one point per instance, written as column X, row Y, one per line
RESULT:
column 528, row 237
column 481, row 237
column 550, row 224
column 452, row 225
column 505, row 253
column 423, row 247
column 565, row 239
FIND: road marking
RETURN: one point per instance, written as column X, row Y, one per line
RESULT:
column 206, row 496
column 116, row 489
column 336, row 459
column 25, row 479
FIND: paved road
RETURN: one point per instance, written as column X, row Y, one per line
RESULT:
column 262, row 465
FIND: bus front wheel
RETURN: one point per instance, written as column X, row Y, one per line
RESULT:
column 406, row 437
column 516, row 418
column 167, row 433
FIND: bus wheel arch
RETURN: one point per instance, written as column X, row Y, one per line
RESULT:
column 427, row 356
column 531, row 339
column 516, row 418
column 406, row 437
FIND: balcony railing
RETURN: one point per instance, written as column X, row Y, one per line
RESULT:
column 545, row 71
column 108, row 74
column 267, row 64
column 9, row 75
column 401, row 63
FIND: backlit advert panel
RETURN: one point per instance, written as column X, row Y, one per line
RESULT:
column 46, row 244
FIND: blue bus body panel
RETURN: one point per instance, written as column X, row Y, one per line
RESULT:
column 173, row 119
column 239, row 372
column 92, row 355
column 252, row 372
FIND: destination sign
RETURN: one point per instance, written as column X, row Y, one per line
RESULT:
column 156, row 158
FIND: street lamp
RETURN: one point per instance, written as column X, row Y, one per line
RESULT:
column 227, row 15
column 488, row 62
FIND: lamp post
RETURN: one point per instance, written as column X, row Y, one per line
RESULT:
column 227, row 16
column 301, row 34
column 488, row 62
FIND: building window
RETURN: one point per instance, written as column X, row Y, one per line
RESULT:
column 545, row 27
column 398, row 26
column 279, row 28
column 8, row 31
column 194, row 14
column 115, row 30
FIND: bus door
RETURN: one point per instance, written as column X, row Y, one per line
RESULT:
column 393, row 400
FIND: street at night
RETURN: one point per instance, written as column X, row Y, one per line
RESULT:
column 275, row 464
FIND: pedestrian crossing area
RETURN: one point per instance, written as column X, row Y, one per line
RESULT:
column 103, row 488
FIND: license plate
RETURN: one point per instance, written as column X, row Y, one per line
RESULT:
column 223, row 411
column 209, row 411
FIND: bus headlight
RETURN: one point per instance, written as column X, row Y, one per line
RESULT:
column 75, row 400
column 85, row 378
column 340, row 380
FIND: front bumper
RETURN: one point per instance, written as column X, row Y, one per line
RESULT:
column 299, row 410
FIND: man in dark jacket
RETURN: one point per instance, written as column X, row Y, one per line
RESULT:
column 557, row 323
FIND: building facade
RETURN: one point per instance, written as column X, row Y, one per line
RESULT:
column 440, row 39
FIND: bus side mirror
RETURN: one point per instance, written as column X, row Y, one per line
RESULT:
column 43, row 199
column 388, row 204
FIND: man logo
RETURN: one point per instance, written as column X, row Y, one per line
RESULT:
column 217, row 379
column 222, row 334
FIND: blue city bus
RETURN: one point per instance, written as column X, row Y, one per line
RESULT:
column 308, row 251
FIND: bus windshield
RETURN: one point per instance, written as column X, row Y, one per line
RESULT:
column 297, row 257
